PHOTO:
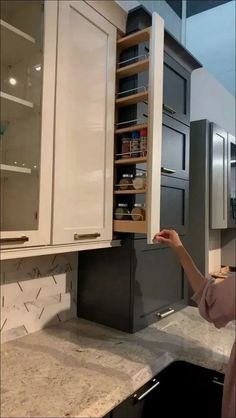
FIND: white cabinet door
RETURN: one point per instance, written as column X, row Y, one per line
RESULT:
column 218, row 177
column 28, row 63
column 84, row 125
column 155, row 101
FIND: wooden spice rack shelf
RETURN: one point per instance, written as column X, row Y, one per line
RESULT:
column 139, row 227
column 137, row 67
column 141, row 191
column 132, row 99
column 129, row 161
column 131, row 128
column 133, row 39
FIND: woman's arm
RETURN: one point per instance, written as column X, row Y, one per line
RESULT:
column 171, row 238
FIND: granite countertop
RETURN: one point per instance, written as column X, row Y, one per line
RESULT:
column 81, row 369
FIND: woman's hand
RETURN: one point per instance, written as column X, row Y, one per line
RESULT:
column 169, row 237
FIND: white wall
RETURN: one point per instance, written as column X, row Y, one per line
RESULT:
column 210, row 100
column 210, row 36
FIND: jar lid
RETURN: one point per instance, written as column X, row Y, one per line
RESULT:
column 138, row 205
column 127, row 176
column 138, row 174
column 143, row 132
column 125, row 138
column 122, row 205
column 135, row 135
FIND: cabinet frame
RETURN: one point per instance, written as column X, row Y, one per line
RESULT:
column 231, row 223
column 42, row 235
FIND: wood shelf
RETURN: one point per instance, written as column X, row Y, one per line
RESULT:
column 15, row 44
column 131, row 128
column 13, row 107
column 132, row 191
column 133, row 39
column 132, row 99
column 127, row 161
column 139, row 227
column 14, row 169
column 132, row 69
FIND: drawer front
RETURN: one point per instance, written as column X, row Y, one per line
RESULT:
column 174, row 204
column 176, row 91
column 175, row 148
column 157, row 281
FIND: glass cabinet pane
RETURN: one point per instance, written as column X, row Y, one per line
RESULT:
column 21, row 94
column 233, row 181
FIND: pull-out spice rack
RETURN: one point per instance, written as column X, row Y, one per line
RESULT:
column 126, row 100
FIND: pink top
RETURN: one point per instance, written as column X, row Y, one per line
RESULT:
column 216, row 302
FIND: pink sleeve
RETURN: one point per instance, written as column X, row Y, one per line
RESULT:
column 216, row 301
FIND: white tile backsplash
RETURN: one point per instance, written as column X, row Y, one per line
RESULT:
column 37, row 292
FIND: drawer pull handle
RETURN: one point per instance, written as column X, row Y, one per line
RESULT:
column 147, row 391
column 169, row 109
column 217, row 382
column 162, row 315
column 16, row 239
column 86, row 236
column 167, row 170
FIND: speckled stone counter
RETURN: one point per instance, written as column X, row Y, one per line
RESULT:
column 81, row 369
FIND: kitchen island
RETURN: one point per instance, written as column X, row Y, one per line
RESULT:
column 82, row 369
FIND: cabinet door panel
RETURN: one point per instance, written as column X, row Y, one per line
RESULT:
column 158, row 282
column 174, row 204
column 176, row 98
column 175, row 148
column 218, row 178
column 28, row 59
column 84, row 125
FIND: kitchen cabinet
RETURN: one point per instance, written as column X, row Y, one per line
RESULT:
column 84, row 125
column 231, row 201
column 28, row 59
column 218, row 177
column 176, row 98
column 173, row 392
column 174, row 204
column 175, row 148
column 131, row 286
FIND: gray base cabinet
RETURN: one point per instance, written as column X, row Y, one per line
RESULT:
column 129, row 287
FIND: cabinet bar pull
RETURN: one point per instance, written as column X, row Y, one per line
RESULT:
column 147, row 391
column 167, row 170
column 164, row 314
column 217, row 382
column 169, row 109
column 86, row 236
column 16, row 239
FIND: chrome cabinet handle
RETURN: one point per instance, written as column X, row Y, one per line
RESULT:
column 86, row 236
column 167, row 170
column 15, row 239
column 162, row 315
column 139, row 398
column 169, row 109
column 217, row 382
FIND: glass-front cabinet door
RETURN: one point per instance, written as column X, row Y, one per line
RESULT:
column 28, row 55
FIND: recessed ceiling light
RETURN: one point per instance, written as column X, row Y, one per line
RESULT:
column 12, row 81
column 38, row 67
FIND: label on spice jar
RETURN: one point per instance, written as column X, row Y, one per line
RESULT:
column 125, row 147
column 135, row 144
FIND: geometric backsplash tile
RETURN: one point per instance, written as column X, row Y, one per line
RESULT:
column 37, row 292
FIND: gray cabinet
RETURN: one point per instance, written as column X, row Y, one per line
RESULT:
column 218, row 177
column 174, row 204
column 176, row 93
column 175, row 148
column 231, row 201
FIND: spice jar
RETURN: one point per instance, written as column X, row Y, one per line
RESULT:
column 135, row 144
column 139, row 181
column 125, row 147
column 143, row 142
column 126, row 182
column 138, row 212
column 122, row 212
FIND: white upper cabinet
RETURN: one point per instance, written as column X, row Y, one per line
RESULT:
column 28, row 58
column 84, row 125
